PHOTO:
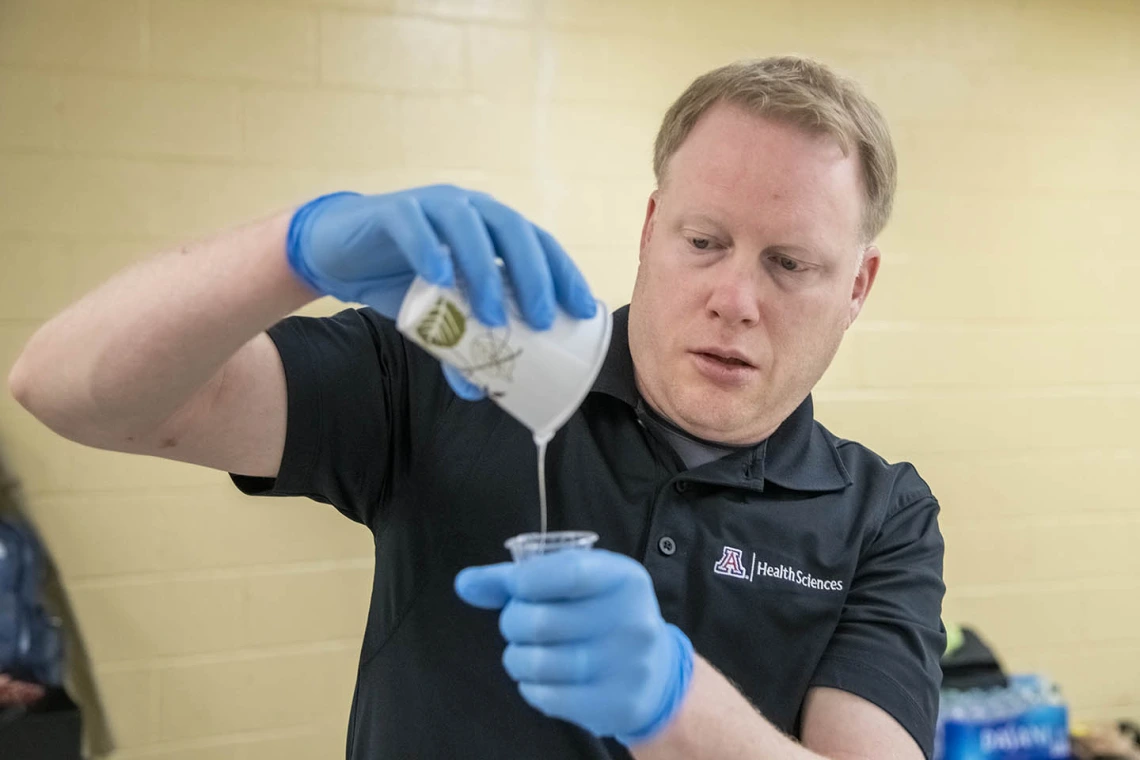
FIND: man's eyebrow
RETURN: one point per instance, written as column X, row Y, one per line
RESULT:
column 701, row 217
column 789, row 249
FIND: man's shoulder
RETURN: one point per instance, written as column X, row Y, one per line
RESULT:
column 360, row 321
column 367, row 318
column 357, row 345
column 350, row 328
column 869, row 470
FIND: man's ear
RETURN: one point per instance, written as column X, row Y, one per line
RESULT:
column 647, row 227
column 864, row 279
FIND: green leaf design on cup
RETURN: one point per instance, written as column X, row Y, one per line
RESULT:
column 444, row 325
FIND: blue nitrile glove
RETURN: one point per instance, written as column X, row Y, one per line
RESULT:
column 586, row 641
column 368, row 249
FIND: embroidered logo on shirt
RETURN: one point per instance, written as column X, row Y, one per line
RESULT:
column 731, row 563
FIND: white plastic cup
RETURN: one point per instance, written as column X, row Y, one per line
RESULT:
column 526, row 545
column 539, row 378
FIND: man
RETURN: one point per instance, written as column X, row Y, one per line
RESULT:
column 756, row 578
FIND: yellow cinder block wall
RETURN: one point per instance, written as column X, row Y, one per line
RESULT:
column 1000, row 350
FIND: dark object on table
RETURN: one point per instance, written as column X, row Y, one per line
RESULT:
column 50, row 729
column 972, row 665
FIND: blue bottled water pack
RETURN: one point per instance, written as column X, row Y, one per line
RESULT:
column 1027, row 720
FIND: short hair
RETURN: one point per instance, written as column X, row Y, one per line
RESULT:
column 804, row 93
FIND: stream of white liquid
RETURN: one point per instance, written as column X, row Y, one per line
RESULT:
column 540, row 442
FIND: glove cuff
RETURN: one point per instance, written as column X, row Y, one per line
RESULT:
column 674, row 696
column 297, row 237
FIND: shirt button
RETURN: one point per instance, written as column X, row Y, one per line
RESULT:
column 667, row 546
column 681, row 486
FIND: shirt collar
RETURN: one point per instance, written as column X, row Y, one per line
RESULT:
column 800, row 455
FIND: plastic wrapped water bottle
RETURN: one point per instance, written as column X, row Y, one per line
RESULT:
column 1027, row 720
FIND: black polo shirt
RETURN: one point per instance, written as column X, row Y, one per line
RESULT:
column 803, row 561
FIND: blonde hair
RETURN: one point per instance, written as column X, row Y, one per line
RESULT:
column 806, row 94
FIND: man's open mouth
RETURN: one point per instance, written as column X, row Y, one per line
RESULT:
column 730, row 361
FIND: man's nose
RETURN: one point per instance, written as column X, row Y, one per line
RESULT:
column 735, row 294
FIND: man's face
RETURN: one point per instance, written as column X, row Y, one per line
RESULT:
column 749, row 274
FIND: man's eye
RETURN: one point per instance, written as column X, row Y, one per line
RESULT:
column 790, row 265
column 700, row 244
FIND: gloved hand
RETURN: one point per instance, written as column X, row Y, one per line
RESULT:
column 368, row 249
column 586, row 641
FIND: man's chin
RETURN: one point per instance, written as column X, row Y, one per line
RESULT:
column 712, row 422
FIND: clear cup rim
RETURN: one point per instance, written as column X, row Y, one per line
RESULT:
column 552, row 538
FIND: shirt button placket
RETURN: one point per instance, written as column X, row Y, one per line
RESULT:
column 666, row 545
column 667, row 564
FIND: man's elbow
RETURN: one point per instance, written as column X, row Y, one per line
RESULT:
column 21, row 383
column 27, row 386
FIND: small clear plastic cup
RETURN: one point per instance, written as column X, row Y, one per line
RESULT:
column 526, row 545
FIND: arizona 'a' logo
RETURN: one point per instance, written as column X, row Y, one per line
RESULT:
column 730, row 564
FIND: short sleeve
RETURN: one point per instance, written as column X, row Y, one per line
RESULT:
column 889, row 642
column 349, row 427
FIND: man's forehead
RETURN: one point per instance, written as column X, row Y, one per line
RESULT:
column 717, row 188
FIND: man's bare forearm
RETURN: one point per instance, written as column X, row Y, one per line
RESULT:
column 717, row 722
column 125, row 357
